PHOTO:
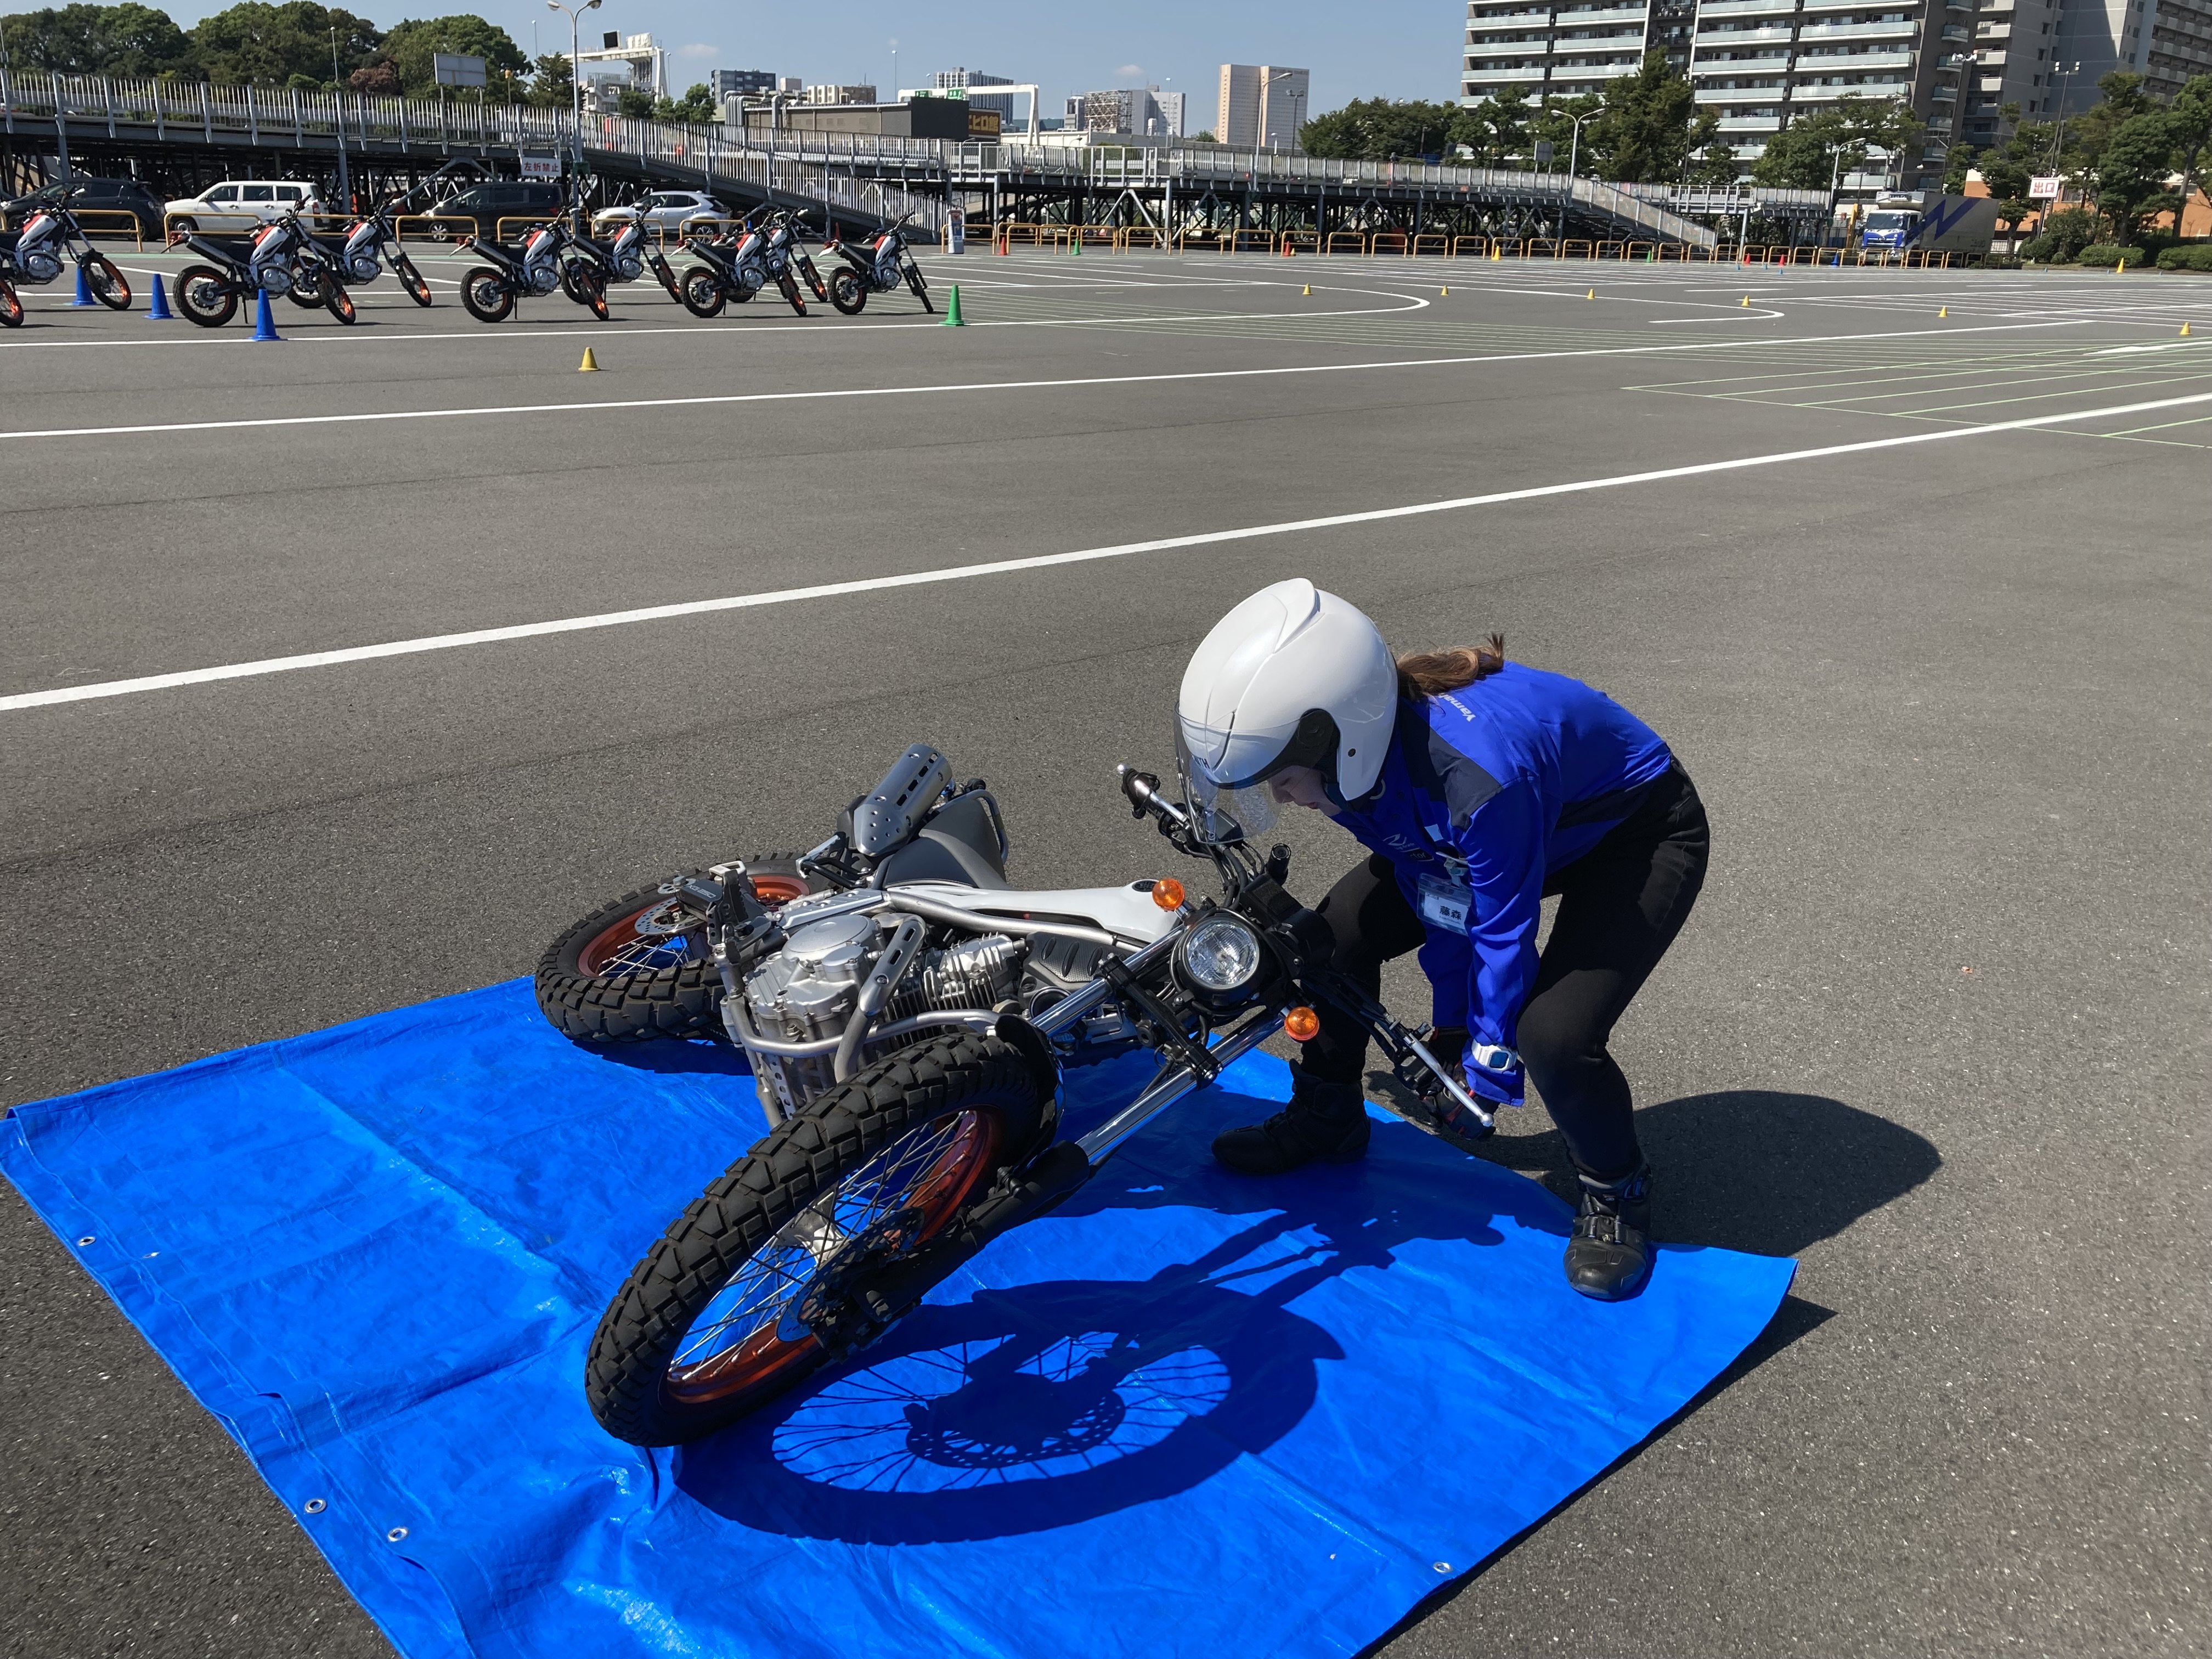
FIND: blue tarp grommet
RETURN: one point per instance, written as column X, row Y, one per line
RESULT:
column 1441, row 1566
column 87, row 1240
column 314, row 1506
column 395, row 1534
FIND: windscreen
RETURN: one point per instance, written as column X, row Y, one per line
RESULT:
column 1884, row 221
column 1222, row 814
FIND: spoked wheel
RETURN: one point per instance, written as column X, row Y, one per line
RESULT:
column 11, row 308
column 204, row 297
column 308, row 288
column 921, row 287
column 847, row 292
column 485, row 294
column 702, row 293
column 410, row 280
column 608, row 979
column 814, row 278
column 106, row 282
column 789, row 284
column 591, row 293
column 713, row 1323
column 339, row 302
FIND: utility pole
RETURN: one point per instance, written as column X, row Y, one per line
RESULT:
column 338, row 109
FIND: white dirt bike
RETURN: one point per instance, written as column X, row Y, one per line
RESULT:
column 907, row 1012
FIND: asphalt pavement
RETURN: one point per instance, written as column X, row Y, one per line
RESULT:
column 1938, row 1028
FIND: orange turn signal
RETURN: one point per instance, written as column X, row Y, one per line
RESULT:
column 1302, row 1025
column 1167, row 893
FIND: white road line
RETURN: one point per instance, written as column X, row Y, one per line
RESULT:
column 1042, row 562
column 953, row 386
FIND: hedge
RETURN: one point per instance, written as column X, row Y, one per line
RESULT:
column 2109, row 254
column 2190, row 256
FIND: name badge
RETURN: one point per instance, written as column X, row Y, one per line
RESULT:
column 1446, row 904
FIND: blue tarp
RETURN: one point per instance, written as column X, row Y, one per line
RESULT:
column 1188, row 1414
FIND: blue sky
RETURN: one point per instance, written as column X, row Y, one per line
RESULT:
column 1393, row 48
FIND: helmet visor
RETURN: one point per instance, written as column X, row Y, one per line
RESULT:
column 1221, row 813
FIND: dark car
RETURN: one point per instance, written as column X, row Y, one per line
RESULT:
column 514, row 200
column 99, row 204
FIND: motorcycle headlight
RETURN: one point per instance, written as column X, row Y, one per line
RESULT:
column 1222, row 954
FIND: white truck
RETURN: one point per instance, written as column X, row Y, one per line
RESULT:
column 1919, row 224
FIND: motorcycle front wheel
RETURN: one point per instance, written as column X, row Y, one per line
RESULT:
column 339, row 302
column 106, row 282
column 921, row 287
column 204, row 297
column 701, row 295
column 847, row 292
column 706, row 1329
column 604, row 982
column 485, row 294
column 410, row 280
column 789, row 285
column 11, row 308
column 813, row 277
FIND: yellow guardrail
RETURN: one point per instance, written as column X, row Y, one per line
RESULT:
column 1430, row 241
column 432, row 227
column 86, row 216
column 1347, row 241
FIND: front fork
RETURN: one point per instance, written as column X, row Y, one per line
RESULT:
column 658, row 262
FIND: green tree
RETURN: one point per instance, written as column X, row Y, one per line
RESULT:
column 634, row 102
column 1642, row 134
column 413, row 46
column 81, row 39
column 1379, row 130
column 698, row 104
column 1497, row 130
column 2191, row 115
column 1814, row 150
column 553, row 84
column 283, row 44
column 2130, row 169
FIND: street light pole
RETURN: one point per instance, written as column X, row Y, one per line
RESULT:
column 575, row 82
column 337, row 107
column 1575, row 144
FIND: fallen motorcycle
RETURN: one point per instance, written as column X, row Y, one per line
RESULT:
column 886, row 264
column 908, row 1014
column 279, row 258
column 33, row 255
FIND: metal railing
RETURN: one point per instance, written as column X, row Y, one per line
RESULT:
column 186, row 110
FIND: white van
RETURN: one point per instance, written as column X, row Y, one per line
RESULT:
column 228, row 205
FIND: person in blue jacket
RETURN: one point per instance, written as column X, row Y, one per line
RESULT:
column 1480, row 787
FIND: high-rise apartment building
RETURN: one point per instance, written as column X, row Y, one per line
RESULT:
column 2165, row 41
column 1138, row 110
column 740, row 83
column 1170, row 107
column 1261, row 104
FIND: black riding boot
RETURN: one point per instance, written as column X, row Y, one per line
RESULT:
column 1609, row 1252
column 1324, row 1122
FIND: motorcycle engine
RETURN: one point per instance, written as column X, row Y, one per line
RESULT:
column 807, row 991
column 40, row 264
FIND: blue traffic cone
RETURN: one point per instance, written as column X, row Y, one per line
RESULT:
column 157, row 309
column 265, row 324
column 83, row 292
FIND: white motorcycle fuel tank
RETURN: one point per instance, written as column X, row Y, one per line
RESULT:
column 35, row 253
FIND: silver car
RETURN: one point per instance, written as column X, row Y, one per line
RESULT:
column 667, row 209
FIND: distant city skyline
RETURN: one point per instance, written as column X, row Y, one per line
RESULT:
column 1389, row 49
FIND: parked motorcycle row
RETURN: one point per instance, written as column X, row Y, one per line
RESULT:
column 764, row 251
column 288, row 258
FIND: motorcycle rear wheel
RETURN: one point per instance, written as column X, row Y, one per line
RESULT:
column 704, row 1332
column 204, row 297
column 603, row 981
column 847, row 292
column 108, row 283
column 702, row 294
column 485, row 294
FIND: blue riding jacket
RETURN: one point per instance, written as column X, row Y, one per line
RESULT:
column 1486, row 791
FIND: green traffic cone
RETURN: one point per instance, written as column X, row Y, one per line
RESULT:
column 952, row 317
column 1075, row 242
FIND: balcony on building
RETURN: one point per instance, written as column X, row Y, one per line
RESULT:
column 1812, row 6
column 1904, row 31
column 1815, row 92
column 1831, row 60
column 1518, row 73
column 1707, row 38
column 1508, row 48
column 1751, row 124
column 1746, row 7
column 1566, row 19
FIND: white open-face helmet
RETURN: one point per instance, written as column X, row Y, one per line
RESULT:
column 1293, row 677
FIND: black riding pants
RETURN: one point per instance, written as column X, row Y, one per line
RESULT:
column 1620, row 905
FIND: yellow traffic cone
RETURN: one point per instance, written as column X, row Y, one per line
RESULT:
column 1592, row 294
column 1308, row 290
column 2121, row 269
column 2184, row 332
column 1746, row 300
column 1441, row 292
column 1942, row 315
column 590, row 365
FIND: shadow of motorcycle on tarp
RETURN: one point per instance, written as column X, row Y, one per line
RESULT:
column 1047, row 1404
